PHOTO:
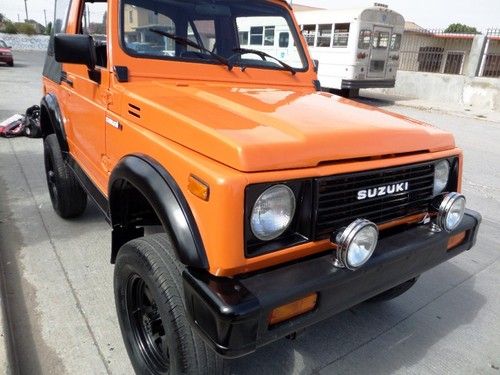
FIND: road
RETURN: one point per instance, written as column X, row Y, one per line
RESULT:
column 59, row 295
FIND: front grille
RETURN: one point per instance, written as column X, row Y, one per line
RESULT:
column 337, row 202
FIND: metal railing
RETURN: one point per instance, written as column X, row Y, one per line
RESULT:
column 435, row 51
column 490, row 64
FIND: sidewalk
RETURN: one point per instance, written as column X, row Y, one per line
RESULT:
column 375, row 97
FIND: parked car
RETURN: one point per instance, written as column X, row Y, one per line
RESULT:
column 6, row 54
column 245, row 204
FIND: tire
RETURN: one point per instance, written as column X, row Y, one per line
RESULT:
column 11, row 64
column 394, row 292
column 66, row 194
column 149, row 303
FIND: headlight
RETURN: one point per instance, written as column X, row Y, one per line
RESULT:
column 451, row 211
column 273, row 212
column 356, row 243
column 441, row 176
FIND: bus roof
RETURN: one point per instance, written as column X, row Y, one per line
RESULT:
column 369, row 14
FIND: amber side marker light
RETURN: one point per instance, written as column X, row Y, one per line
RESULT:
column 198, row 188
column 293, row 309
column 456, row 240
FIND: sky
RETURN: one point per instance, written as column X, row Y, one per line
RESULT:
column 432, row 14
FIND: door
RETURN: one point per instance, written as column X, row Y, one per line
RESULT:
column 87, row 99
column 379, row 52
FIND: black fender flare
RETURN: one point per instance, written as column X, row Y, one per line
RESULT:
column 51, row 120
column 164, row 195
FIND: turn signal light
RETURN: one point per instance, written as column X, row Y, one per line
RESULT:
column 293, row 309
column 198, row 188
column 456, row 240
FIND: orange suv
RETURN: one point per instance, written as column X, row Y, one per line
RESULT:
column 244, row 203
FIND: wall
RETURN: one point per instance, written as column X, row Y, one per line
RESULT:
column 477, row 92
column 26, row 42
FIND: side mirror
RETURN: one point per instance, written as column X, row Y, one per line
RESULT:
column 316, row 65
column 75, row 49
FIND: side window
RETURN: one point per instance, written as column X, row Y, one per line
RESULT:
column 137, row 36
column 309, row 32
column 269, row 36
column 284, row 40
column 243, row 35
column 324, row 35
column 61, row 16
column 93, row 23
column 94, row 20
column 341, row 34
column 365, row 37
column 203, row 32
column 256, row 35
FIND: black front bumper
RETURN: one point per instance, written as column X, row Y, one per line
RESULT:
column 367, row 83
column 232, row 314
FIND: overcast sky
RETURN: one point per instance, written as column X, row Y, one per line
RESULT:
column 482, row 14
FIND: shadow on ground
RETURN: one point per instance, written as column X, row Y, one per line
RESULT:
column 335, row 339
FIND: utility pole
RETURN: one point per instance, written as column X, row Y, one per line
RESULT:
column 45, row 17
column 26, row 9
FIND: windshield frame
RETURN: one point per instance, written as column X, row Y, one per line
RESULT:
column 286, row 13
column 3, row 44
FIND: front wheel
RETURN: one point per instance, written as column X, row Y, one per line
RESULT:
column 148, row 295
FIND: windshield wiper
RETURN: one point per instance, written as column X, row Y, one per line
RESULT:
column 190, row 43
column 242, row 51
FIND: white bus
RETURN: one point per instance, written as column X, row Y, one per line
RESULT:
column 356, row 48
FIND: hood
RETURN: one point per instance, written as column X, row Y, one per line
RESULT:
column 3, row 50
column 262, row 129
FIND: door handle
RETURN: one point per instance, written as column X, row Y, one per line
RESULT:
column 65, row 79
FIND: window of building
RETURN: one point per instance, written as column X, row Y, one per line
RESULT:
column 309, row 32
column 429, row 59
column 365, row 38
column 131, row 16
column 324, row 35
column 454, row 63
column 256, row 35
column 341, row 34
column 284, row 40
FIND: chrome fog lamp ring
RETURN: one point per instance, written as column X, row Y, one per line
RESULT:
column 451, row 211
column 355, row 244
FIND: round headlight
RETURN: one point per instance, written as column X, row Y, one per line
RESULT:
column 441, row 176
column 355, row 245
column 273, row 212
column 451, row 211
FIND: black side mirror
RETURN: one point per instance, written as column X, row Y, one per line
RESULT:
column 75, row 49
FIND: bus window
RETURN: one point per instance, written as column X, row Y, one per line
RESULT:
column 243, row 35
column 324, row 36
column 309, row 32
column 269, row 36
column 341, row 34
column 380, row 39
column 395, row 42
column 256, row 35
column 284, row 40
column 365, row 38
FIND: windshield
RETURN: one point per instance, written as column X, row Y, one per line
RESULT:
column 3, row 44
column 230, row 29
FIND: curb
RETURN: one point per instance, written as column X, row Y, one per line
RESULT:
column 5, row 335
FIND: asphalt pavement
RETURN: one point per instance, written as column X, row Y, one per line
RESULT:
column 57, row 286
